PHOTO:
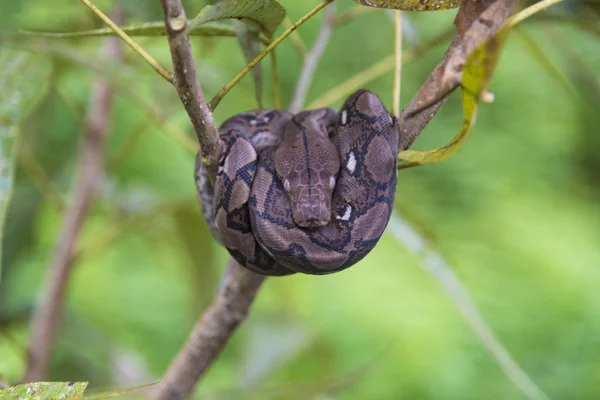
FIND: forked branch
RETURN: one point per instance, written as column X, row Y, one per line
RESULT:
column 231, row 305
column 476, row 22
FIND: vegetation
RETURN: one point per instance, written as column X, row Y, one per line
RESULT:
column 501, row 237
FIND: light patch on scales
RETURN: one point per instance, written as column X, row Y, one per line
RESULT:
column 351, row 164
column 262, row 139
column 344, row 117
column 347, row 213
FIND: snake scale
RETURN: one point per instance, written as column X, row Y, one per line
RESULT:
column 310, row 192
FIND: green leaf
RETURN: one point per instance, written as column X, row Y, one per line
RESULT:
column 45, row 391
column 255, row 16
column 412, row 5
column 146, row 29
column 265, row 14
column 22, row 84
column 479, row 67
column 249, row 40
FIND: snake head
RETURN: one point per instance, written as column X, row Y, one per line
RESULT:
column 307, row 162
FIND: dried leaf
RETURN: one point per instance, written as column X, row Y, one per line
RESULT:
column 478, row 71
column 412, row 5
column 265, row 14
column 22, row 84
column 45, row 391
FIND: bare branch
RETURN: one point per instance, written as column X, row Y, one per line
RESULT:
column 229, row 309
column 186, row 82
column 476, row 21
column 311, row 60
column 231, row 305
column 46, row 318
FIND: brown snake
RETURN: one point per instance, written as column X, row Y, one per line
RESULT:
column 311, row 192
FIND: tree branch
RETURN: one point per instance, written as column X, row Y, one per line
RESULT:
column 239, row 287
column 229, row 309
column 311, row 60
column 46, row 318
column 186, row 83
column 476, row 22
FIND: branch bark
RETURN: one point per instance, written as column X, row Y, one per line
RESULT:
column 46, row 318
column 186, row 83
column 229, row 309
column 476, row 21
column 239, row 287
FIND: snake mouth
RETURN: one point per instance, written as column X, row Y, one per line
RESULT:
column 312, row 223
column 314, row 216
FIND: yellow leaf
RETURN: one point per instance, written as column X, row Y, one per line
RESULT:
column 478, row 71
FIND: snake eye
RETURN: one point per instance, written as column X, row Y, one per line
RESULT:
column 286, row 185
column 331, row 182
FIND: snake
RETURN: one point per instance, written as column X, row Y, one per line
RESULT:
column 310, row 192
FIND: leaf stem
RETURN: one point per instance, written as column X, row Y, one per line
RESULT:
column 296, row 38
column 528, row 12
column 219, row 96
column 130, row 42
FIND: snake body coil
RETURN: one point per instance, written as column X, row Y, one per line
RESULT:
column 311, row 192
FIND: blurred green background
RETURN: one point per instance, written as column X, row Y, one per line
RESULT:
column 515, row 214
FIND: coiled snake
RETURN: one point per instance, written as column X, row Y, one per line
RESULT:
column 311, row 192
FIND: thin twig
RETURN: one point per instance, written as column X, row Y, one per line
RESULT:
column 186, row 82
column 295, row 38
column 437, row 266
column 528, row 12
column 352, row 14
column 219, row 96
column 146, row 29
column 46, row 318
column 136, row 47
column 398, row 62
column 311, row 60
column 229, row 309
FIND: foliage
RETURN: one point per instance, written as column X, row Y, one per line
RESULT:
column 45, row 391
column 514, row 213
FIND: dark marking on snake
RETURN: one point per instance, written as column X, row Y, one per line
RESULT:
column 311, row 227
